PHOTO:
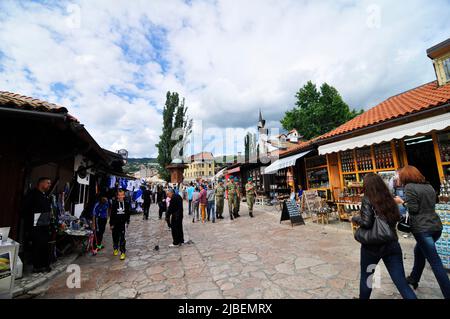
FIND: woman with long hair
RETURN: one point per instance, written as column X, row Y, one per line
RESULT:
column 426, row 226
column 378, row 200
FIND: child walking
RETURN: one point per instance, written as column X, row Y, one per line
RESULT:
column 119, row 221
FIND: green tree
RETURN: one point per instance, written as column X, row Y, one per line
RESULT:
column 174, row 116
column 317, row 111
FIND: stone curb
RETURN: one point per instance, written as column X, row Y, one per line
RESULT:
column 20, row 291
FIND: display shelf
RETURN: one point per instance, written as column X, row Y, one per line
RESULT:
column 364, row 159
column 384, row 158
column 316, row 162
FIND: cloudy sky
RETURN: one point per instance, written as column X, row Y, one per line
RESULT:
column 111, row 62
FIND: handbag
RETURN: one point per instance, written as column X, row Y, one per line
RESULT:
column 404, row 224
column 380, row 233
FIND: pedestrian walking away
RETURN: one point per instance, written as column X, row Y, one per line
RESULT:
column 190, row 193
column 119, row 221
column 250, row 194
column 203, row 203
column 195, row 204
column 147, row 197
column 426, row 227
column 161, row 200
column 211, row 204
column 377, row 242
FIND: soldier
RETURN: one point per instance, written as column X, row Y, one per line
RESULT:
column 231, row 189
column 238, row 197
column 250, row 193
column 220, row 194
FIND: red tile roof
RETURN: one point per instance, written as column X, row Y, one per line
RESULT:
column 17, row 101
column 204, row 156
column 296, row 149
column 419, row 99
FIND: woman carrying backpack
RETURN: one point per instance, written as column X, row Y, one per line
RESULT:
column 378, row 237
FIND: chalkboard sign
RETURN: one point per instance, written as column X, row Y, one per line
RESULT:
column 291, row 212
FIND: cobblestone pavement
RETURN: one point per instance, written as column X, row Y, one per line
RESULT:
column 245, row 258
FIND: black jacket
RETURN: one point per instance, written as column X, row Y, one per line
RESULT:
column 36, row 203
column 160, row 196
column 421, row 201
column 146, row 196
column 175, row 210
column 118, row 218
column 366, row 220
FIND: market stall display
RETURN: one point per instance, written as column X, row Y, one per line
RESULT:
column 9, row 250
column 356, row 164
column 279, row 188
column 317, row 177
column 443, row 244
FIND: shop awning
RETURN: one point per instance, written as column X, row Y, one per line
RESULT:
column 283, row 163
column 424, row 126
column 234, row 170
column 220, row 173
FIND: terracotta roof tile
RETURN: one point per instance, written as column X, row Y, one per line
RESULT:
column 419, row 99
column 14, row 100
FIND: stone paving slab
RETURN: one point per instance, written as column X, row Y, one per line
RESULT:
column 244, row 258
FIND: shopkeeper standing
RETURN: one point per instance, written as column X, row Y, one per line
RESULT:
column 37, row 214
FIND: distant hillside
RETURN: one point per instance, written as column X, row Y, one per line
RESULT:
column 133, row 164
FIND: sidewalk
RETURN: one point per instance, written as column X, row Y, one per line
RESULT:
column 31, row 285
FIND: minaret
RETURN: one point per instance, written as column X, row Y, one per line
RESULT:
column 262, row 125
column 263, row 135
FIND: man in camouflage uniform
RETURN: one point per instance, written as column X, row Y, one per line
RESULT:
column 220, row 194
column 238, row 197
column 231, row 189
column 250, row 194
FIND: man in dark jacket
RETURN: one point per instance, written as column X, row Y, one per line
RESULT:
column 37, row 214
column 119, row 221
column 147, row 197
column 175, row 217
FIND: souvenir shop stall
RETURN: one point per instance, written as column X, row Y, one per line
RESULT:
column 281, row 184
column 443, row 210
column 354, row 165
column 317, row 177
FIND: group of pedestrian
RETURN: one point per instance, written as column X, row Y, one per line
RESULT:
column 206, row 203
column 378, row 235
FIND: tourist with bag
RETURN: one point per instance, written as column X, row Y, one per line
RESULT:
column 378, row 237
column 425, row 225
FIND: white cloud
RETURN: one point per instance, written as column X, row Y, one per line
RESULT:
column 228, row 58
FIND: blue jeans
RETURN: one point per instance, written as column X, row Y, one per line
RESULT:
column 402, row 210
column 426, row 249
column 211, row 211
column 393, row 260
column 190, row 206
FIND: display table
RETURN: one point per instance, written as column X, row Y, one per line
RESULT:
column 81, row 239
column 8, row 267
column 443, row 244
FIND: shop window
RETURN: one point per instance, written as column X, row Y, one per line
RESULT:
column 383, row 156
column 444, row 146
column 364, row 159
column 347, row 161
